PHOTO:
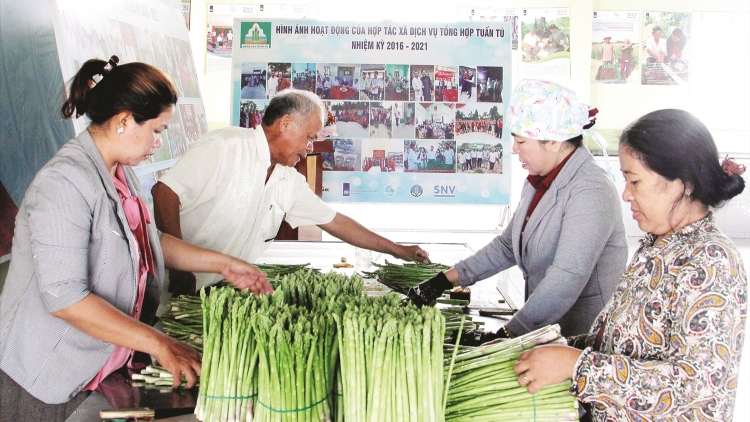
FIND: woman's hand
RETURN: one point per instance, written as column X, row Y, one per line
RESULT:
column 246, row 276
column 545, row 365
column 179, row 359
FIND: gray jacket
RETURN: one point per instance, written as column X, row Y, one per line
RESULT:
column 574, row 249
column 71, row 239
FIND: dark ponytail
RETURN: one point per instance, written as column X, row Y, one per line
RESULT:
column 138, row 88
column 676, row 145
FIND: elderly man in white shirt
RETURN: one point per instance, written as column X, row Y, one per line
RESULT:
column 233, row 188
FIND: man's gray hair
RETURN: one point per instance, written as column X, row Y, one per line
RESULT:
column 294, row 101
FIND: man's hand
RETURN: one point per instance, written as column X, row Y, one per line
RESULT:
column 428, row 291
column 412, row 253
column 181, row 283
column 545, row 365
column 246, row 276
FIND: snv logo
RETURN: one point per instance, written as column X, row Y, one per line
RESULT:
column 444, row 191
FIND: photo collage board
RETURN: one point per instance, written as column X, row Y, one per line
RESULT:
column 418, row 109
column 153, row 33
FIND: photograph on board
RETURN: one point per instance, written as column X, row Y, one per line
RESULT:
column 479, row 122
column 381, row 116
column 511, row 16
column 544, row 34
column 614, row 46
column 251, row 112
column 220, row 38
column 303, row 76
column 372, row 82
column 352, row 118
column 253, row 81
column 429, row 156
column 435, row 120
column 666, row 48
column 189, row 114
column 397, row 82
column 489, row 84
column 479, row 157
column 421, row 85
column 468, row 83
column 382, row 156
column 403, row 120
column 446, row 83
column 338, row 81
column 346, row 156
column 279, row 75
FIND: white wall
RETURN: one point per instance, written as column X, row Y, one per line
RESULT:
column 725, row 111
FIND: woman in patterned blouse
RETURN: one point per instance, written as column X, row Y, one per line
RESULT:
column 668, row 344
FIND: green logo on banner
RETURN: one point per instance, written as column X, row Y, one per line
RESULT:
column 256, row 34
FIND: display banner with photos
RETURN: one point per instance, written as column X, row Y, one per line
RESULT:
column 150, row 31
column 220, row 37
column 666, row 49
column 186, row 12
column 418, row 107
column 544, row 43
column 615, row 51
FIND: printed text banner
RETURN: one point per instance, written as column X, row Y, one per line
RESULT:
column 419, row 107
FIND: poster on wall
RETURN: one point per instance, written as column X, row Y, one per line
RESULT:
column 286, row 11
column 220, row 37
column 666, row 49
column 153, row 32
column 186, row 12
column 511, row 16
column 418, row 107
column 614, row 47
column 545, row 43
column 483, row 14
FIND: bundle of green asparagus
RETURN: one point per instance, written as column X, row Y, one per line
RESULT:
column 184, row 321
column 401, row 277
column 155, row 376
column 297, row 363
column 391, row 361
column 273, row 357
column 230, row 355
column 483, row 387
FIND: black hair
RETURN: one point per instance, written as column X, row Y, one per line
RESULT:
column 676, row 145
column 138, row 88
column 294, row 102
column 679, row 32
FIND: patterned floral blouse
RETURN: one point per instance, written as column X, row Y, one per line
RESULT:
column 672, row 333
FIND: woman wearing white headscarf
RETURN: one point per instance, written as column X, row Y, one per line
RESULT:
column 567, row 235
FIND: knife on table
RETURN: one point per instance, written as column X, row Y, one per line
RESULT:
column 144, row 413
